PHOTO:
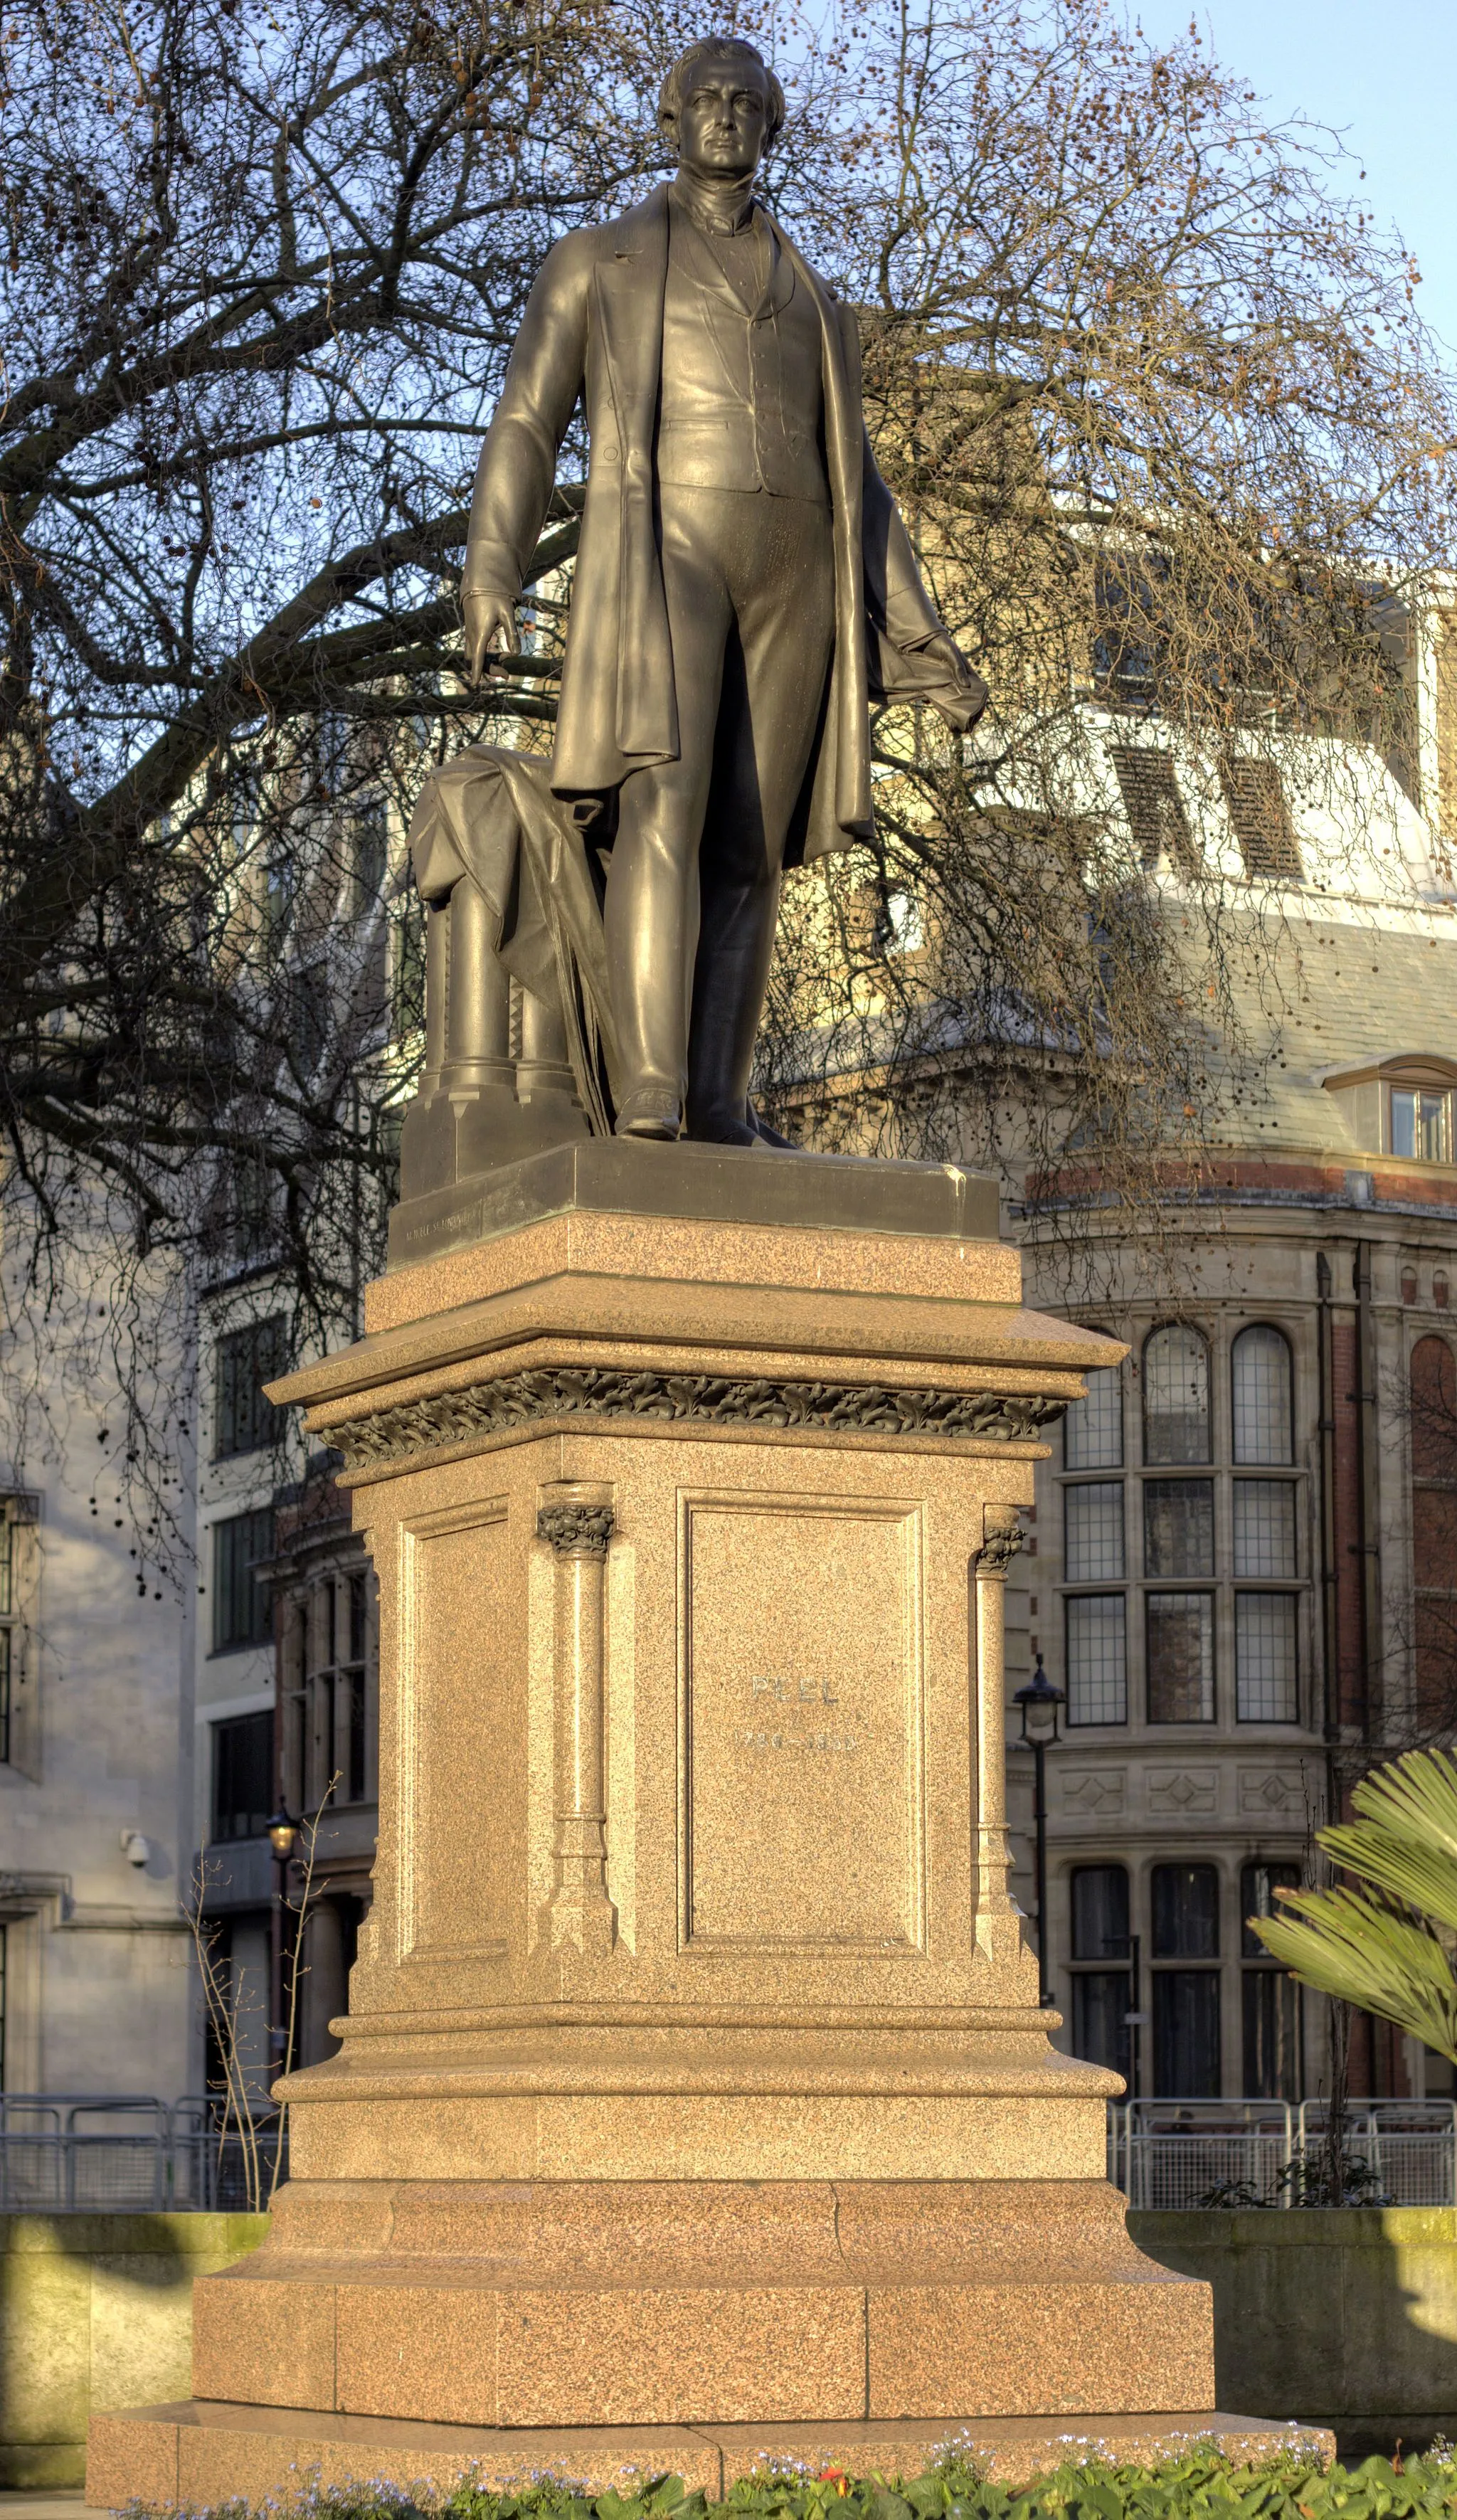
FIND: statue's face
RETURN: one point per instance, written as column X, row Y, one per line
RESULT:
column 723, row 118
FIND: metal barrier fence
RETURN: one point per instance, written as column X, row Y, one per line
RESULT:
column 1170, row 2155
column 64, row 2152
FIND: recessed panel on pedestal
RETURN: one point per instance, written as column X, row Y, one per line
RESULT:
column 459, row 1732
column 802, row 1791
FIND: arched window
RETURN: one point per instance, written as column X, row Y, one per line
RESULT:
column 1433, row 1520
column 1269, row 1997
column 1408, row 1285
column 1101, row 1959
column 1434, row 1410
column 1439, row 1289
column 1259, row 1368
column 1186, row 1999
column 1176, row 1395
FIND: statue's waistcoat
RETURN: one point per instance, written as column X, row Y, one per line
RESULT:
column 742, row 393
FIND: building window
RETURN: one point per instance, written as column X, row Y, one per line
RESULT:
column 1176, row 1395
column 1100, row 1965
column 9, row 1644
column 280, row 893
column 19, row 1517
column 1408, row 1285
column 243, row 1791
column 369, row 856
column 408, row 968
column 310, row 1013
column 1266, row 1685
column 1130, row 627
column 1420, row 1124
column 1258, row 809
column 329, row 1656
column 1181, row 1657
column 1094, row 1547
column 247, row 1208
column 1186, row 1998
column 242, row 1613
column 1261, row 1392
column 245, row 1419
column 1264, row 1528
column 1093, row 1531
column 1178, row 1527
column 1093, row 1428
column 1205, row 1527
column 1097, row 1658
column 1269, row 1997
column 1432, row 1400
column 1439, row 1295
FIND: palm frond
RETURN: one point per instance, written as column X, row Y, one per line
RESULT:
column 1406, row 1866
column 1356, row 1948
column 1416, row 1794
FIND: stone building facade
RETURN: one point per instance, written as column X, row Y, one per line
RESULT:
column 96, row 1962
column 1243, row 1569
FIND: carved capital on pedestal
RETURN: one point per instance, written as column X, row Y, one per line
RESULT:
column 576, row 1530
column 1002, row 1538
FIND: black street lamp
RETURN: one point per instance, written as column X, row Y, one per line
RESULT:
column 1041, row 1704
column 281, row 1832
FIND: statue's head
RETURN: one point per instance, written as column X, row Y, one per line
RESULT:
column 720, row 106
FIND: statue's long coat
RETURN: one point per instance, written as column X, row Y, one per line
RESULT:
column 594, row 324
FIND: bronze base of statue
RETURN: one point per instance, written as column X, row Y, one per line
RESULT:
column 713, row 1184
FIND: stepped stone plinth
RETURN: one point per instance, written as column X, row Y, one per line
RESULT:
column 693, row 2101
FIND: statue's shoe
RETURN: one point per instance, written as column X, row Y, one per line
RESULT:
column 651, row 1113
column 722, row 1133
column 741, row 1128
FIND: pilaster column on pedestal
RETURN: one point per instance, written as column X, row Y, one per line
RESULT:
column 575, row 1521
column 1000, row 1919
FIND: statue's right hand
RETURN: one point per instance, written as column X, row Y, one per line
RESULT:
column 490, row 629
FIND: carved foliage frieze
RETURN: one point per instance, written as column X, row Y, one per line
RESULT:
column 514, row 1402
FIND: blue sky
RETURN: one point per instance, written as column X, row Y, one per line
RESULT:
column 1384, row 74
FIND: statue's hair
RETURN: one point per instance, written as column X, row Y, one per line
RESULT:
column 720, row 48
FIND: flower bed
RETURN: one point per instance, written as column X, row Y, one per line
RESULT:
column 1202, row 2484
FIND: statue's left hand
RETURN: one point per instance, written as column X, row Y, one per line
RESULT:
column 946, row 652
column 490, row 629
column 968, row 689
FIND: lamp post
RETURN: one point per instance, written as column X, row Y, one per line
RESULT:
column 282, row 1833
column 1040, row 1704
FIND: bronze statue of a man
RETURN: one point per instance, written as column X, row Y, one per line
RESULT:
column 744, row 586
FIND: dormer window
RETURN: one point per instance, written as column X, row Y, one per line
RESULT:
column 1400, row 1106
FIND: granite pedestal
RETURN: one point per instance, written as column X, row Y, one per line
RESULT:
column 694, row 2091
